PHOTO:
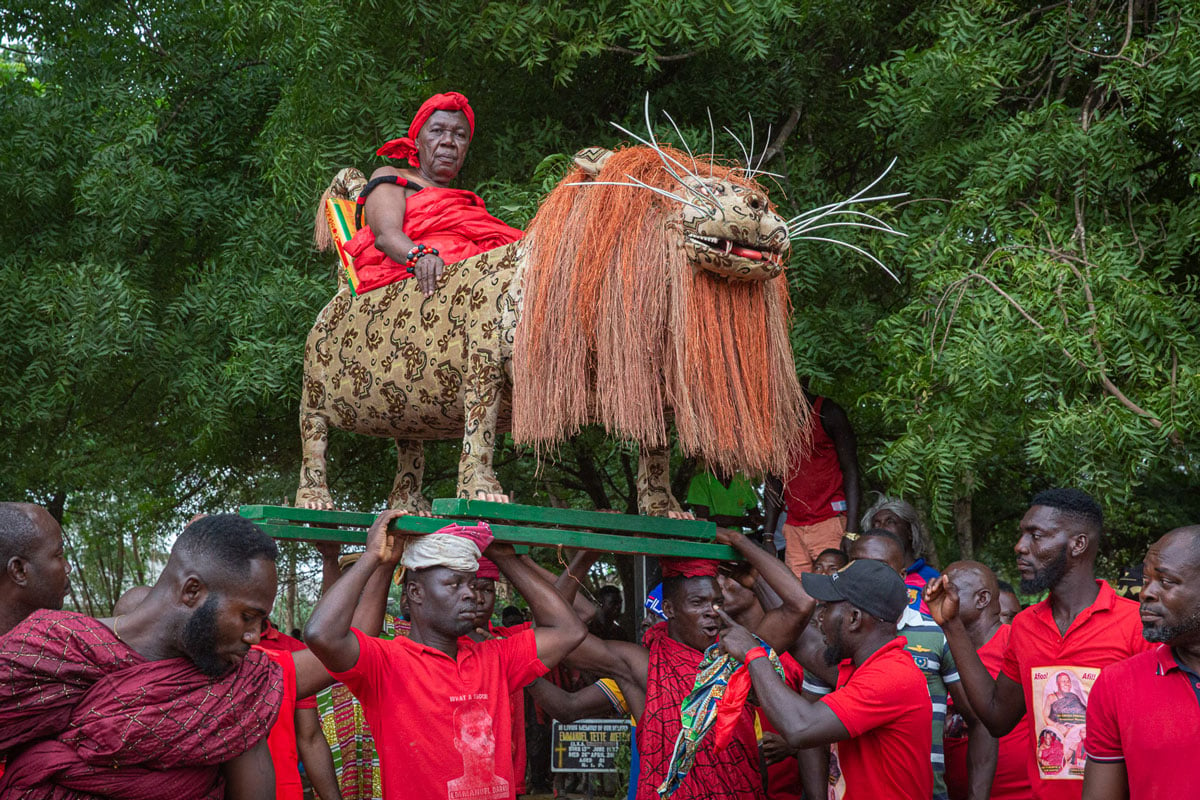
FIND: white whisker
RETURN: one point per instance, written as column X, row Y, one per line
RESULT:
column 712, row 141
column 885, row 228
column 854, row 248
column 682, row 140
column 748, row 155
column 739, row 142
column 639, row 185
column 841, row 203
column 766, row 147
column 662, row 154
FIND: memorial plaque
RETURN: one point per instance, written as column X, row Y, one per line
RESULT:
column 588, row 745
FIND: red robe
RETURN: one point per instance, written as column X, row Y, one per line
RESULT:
column 83, row 715
column 454, row 221
column 730, row 773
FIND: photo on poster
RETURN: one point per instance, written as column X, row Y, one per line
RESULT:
column 1059, row 700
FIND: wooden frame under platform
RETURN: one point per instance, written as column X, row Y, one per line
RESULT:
column 517, row 524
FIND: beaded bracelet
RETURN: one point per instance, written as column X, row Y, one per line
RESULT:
column 753, row 653
column 417, row 252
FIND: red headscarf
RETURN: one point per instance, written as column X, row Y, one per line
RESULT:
column 688, row 567
column 406, row 146
column 488, row 569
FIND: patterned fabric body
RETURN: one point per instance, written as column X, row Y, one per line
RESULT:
column 345, row 727
column 96, row 718
column 730, row 773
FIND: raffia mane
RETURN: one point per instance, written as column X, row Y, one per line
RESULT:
column 611, row 302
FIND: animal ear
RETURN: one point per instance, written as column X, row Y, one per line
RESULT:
column 591, row 159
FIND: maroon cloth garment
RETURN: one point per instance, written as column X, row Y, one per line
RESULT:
column 730, row 773
column 83, row 715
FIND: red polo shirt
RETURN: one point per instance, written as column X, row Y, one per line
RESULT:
column 517, row 708
column 885, row 706
column 1056, row 672
column 1145, row 711
column 443, row 725
column 281, row 741
column 275, row 639
column 1011, row 781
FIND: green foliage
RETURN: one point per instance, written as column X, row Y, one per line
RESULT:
column 162, row 163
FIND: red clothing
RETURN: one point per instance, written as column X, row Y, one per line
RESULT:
column 1145, row 711
column 814, row 488
column 454, row 221
column 282, row 739
column 517, row 709
column 436, row 717
column 729, row 773
column 83, row 714
column 884, row 704
column 275, row 639
column 1011, row 781
column 783, row 777
column 1038, row 656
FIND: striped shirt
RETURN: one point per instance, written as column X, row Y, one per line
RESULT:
column 927, row 645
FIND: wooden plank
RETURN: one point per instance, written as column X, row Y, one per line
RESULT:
column 700, row 530
column 352, row 519
column 520, row 535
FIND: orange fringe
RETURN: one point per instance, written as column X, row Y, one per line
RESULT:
column 617, row 328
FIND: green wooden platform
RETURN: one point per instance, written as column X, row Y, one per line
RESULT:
column 516, row 524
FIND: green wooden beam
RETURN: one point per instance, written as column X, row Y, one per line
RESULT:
column 700, row 530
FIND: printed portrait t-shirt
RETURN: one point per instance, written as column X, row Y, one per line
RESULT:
column 443, row 726
column 1056, row 673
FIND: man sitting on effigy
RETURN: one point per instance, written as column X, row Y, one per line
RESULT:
column 413, row 223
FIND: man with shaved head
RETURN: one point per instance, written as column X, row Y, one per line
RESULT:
column 35, row 567
column 1002, row 777
column 1057, row 647
column 168, row 700
column 1143, row 715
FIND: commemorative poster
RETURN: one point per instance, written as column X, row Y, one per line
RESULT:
column 1060, row 695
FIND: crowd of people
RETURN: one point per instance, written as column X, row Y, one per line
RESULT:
column 839, row 661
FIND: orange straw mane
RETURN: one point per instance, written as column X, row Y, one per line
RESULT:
column 618, row 328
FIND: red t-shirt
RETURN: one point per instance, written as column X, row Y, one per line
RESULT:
column 783, row 777
column 814, row 487
column 1056, row 673
column 281, row 741
column 443, row 725
column 1145, row 711
column 517, row 703
column 885, row 706
column 275, row 639
column 1011, row 781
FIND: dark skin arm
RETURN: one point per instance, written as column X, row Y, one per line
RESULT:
column 772, row 504
column 982, row 747
column 384, row 212
column 567, row 585
column 814, row 762
column 314, row 752
column 845, row 443
column 250, row 776
column 330, row 571
column 626, row 663
column 780, row 626
column 328, row 633
column 999, row 703
column 564, row 706
column 801, row 723
column 557, row 629
column 1105, row 781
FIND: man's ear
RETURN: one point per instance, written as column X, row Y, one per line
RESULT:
column 854, row 619
column 1080, row 542
column 15, row 569
column 983, row 598
column 591, row 159
column 193, row 591
column 668, row 609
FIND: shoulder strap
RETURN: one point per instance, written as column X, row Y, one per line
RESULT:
column 370, row 187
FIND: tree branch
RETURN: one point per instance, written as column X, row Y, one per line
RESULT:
column 616, row 48
column 785, row 133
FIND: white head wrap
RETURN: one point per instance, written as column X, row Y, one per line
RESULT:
column 441, row 550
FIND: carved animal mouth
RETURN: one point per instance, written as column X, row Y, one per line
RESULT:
column 740, row 249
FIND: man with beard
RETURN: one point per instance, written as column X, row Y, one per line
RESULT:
column 879, row 715
column 663, row 671
column 35, row 566
column 1143, row 715
column 1082, row 627
column 412, row 689
column 165, row 701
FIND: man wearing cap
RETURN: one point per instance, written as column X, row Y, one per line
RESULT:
column 413, row 222
column 879, row 716
column 664, row 671
column 426, row 697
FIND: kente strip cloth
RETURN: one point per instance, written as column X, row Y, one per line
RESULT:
column 729, row 773
column 454, row 221
column 345, row 727
column 716, row 701
column 84, row 715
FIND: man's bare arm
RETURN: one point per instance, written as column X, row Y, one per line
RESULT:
column 315, row 755
column 845, row 445
column 564, row 706
column 999, row 703
column 250, row 776
column 781, row 626
column 557, row 629
column 1104, row 780
column 982, row 748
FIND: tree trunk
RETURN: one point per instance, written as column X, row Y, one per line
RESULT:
column 962, row 528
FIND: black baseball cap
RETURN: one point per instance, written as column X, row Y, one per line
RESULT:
column 870, row 585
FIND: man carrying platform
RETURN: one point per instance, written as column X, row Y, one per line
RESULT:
column 413, row 223
column 663, row 672
column 438, row 699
